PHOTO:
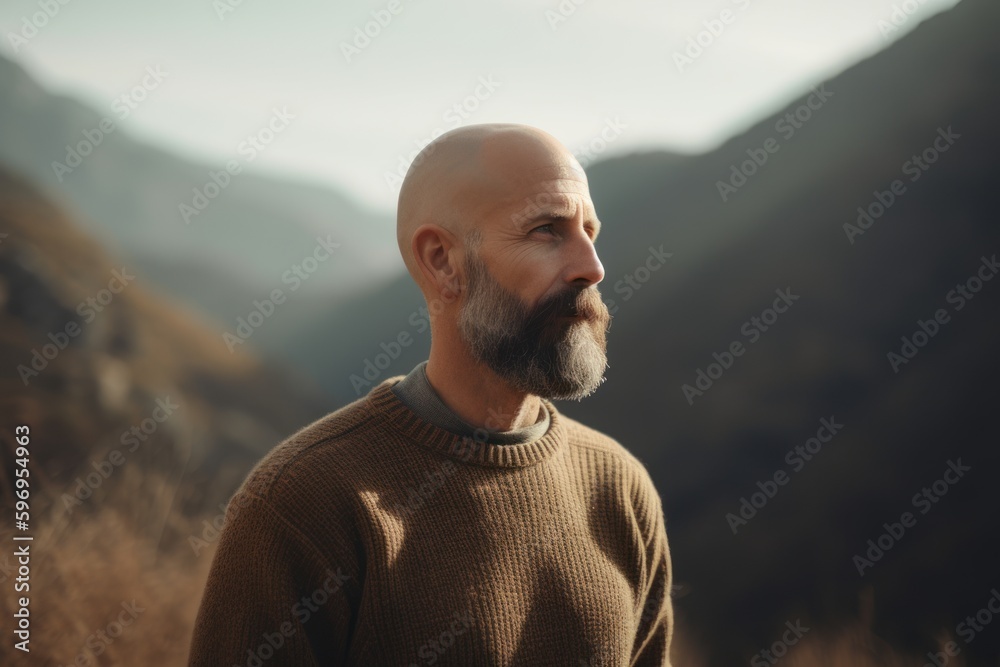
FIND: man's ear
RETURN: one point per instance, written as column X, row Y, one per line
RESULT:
column 436, row 253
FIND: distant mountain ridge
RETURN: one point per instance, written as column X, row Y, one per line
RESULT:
column 132, row 197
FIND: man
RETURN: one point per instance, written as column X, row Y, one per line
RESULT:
column 454, row 516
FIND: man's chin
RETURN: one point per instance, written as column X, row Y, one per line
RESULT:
column 573, row 392
column 583, row 373
column 567, row 359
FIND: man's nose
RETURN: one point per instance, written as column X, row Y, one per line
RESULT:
column 585, row 266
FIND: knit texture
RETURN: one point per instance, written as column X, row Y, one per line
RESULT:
column 374, row 537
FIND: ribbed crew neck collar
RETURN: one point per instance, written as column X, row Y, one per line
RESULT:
column 393, row 411
column 416, row 391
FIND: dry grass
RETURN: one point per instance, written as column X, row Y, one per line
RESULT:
column 854, row 645
column 84, row 574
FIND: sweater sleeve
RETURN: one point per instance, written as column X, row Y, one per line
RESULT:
column 271, row 597
column 656, row 619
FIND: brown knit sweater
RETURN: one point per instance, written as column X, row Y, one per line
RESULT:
column 373, row 537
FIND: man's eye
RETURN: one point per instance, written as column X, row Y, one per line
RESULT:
column 549, row 227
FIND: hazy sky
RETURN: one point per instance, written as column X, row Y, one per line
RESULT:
column 575, row 68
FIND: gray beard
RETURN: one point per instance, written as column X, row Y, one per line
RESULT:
column 528, row 348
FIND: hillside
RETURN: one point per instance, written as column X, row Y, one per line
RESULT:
column 90, row 354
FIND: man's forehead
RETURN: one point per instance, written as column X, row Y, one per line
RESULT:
column 560, row 191
column 567, row 171
column 558, row 199
column 562, row 183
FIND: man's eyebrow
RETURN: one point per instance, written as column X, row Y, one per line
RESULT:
column 559, row 213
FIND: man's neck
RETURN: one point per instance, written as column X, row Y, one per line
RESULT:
column 477, row 394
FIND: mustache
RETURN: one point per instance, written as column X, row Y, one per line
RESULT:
column 585, row 303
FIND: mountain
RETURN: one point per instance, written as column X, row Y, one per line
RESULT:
column 109, row 376
column 241, row 230
column 762, row 215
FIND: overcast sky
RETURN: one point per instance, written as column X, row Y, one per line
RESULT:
column 361, row 108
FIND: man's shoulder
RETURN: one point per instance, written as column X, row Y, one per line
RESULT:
column 586, row 437
column 319, row 454
column 630, row 471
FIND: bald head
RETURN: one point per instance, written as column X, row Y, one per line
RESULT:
column 461, row 177
column 497, row 227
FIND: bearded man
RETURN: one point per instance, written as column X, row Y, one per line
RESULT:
column 454, row 516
